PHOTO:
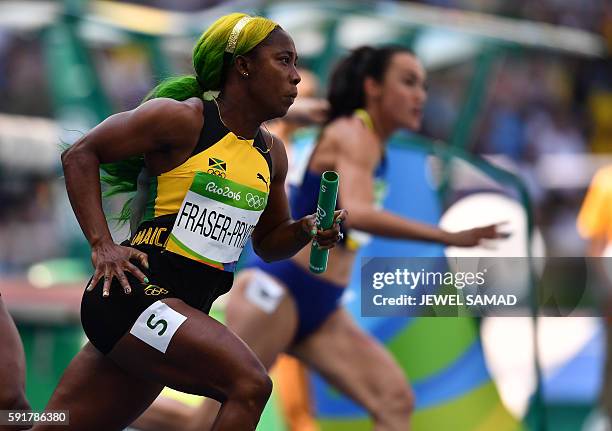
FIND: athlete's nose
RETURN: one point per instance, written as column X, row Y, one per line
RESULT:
column 295, row 76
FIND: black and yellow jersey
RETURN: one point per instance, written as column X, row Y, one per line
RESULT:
column 219, row 156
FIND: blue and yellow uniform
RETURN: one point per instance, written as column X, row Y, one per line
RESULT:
column 316, row 298
column 193, row 222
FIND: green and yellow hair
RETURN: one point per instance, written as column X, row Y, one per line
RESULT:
column 210, row 61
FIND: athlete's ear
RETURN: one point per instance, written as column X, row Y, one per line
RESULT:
column 242, row 65
column 372, row 88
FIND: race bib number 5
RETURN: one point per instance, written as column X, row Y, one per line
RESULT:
column 157, row 325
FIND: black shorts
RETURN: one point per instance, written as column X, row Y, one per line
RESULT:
column 106, row 320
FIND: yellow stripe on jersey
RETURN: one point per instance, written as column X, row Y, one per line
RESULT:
column 231, row 158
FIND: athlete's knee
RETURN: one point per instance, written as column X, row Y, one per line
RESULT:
column 255, row 387
column 395, row 401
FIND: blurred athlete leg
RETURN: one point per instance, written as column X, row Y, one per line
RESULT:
column 291, row 383
column 362, row 368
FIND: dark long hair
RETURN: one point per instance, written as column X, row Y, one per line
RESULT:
column 346, row 92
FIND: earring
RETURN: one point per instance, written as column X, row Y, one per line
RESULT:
column 245, row 74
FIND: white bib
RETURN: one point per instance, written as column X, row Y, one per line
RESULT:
column 215, row 221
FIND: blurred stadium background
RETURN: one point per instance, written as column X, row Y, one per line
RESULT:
column 520, row 104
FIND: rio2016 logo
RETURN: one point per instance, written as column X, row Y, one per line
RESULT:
column 225, row 191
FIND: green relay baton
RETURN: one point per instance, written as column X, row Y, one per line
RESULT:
column 328, row 192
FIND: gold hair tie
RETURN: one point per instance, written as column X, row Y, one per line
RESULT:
column 233, row 39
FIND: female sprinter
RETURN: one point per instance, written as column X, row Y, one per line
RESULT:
column 208, row 178
column 282, row 306
column 171, row 411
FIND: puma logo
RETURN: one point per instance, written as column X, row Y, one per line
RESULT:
column 261, row 177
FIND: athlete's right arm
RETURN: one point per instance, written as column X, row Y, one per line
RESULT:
column 153, row 127
column 356, row 161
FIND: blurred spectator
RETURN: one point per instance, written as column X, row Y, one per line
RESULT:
column 183, row 5
column 27, row 230
column 125, row 75
column 554, row 133
column 23, row 84
column 585, row 14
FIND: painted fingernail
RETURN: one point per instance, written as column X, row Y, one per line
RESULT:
column 146, row 280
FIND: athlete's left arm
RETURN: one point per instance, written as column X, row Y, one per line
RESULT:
column 277, row 236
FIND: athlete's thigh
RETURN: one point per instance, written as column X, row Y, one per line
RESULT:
column 99, row 395
column 187, row 350
column 351, row 360
column 12, row 360
column 262, row 313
